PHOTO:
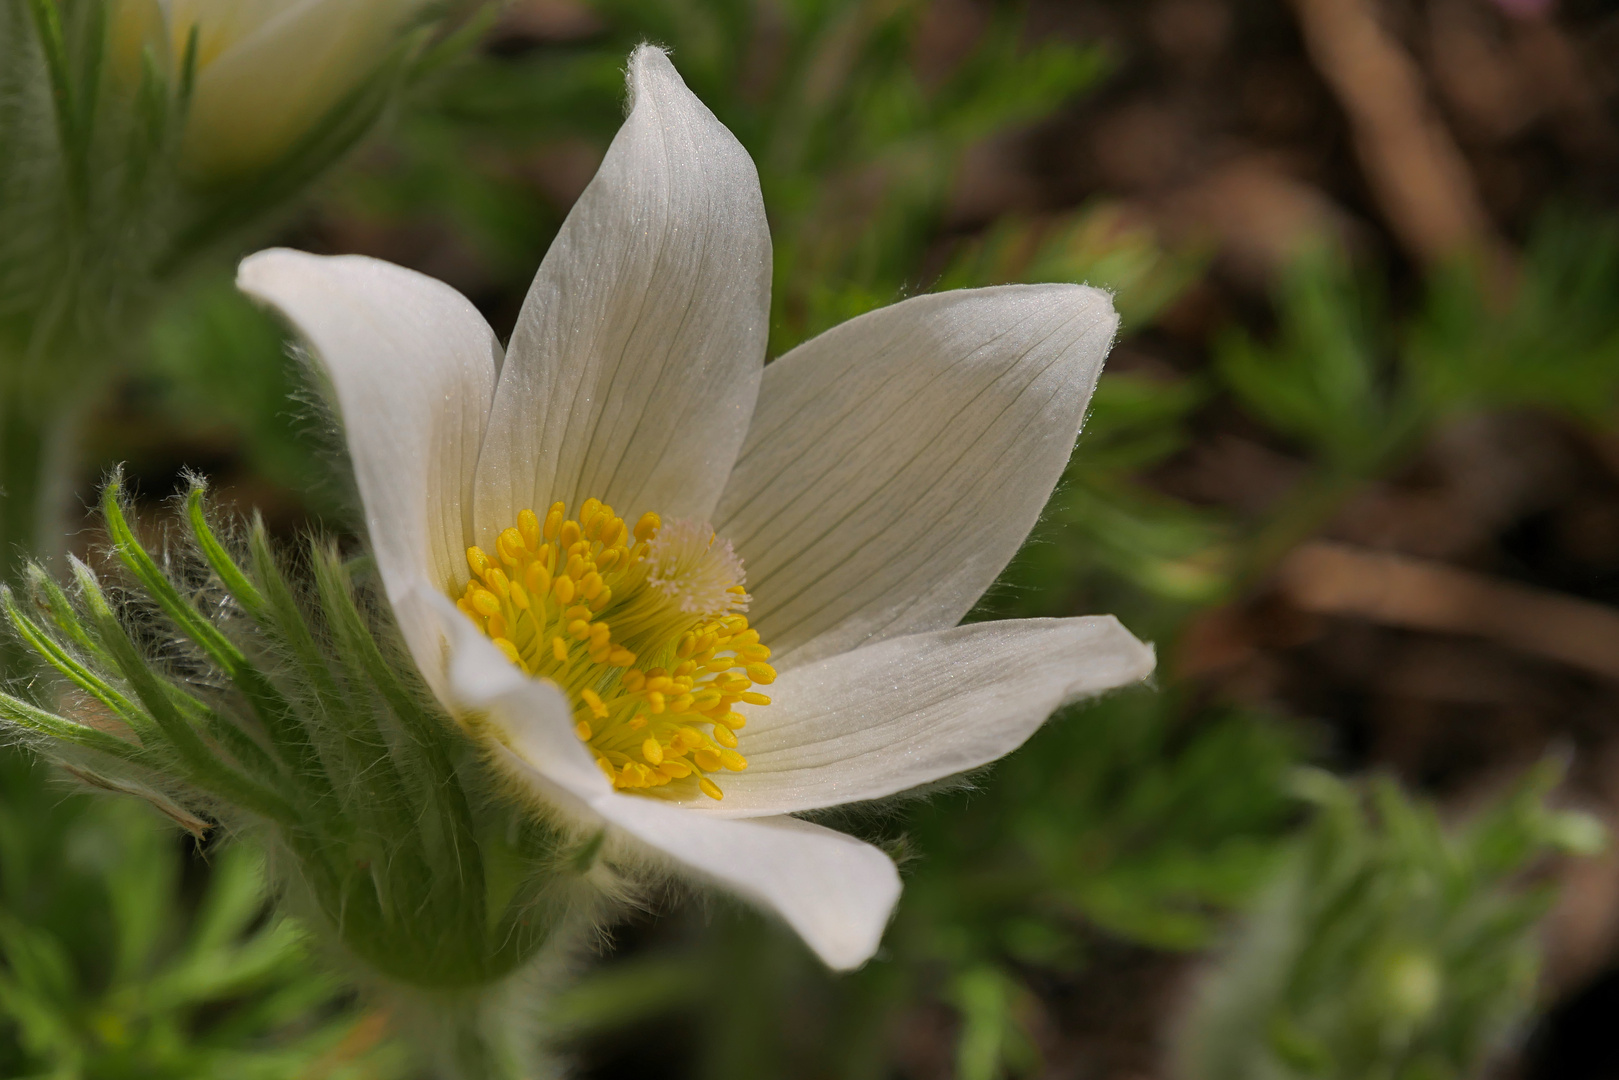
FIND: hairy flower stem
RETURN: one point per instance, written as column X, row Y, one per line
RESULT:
column 483, row 1039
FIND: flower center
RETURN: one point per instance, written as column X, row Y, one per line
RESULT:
column 644, row 632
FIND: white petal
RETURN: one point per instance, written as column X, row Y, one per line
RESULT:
column 636, row 360
column 413, row 366
column 896, row 462
column 907, row 711
column 835, row 891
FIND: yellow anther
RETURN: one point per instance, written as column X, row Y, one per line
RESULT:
column 529, row 526
column 654, row 701
column 620, row 657
column 562, row 587
column 648, row 526
column 634, row 680
column 591, row 586
column 707, row 758
column 605, row 766
column 652, row 750
column 553, row 519
column 559, row 649
column 496, row 626
column 600, row 633
column 709, row 788
column 495, row 578
column 675, row 769
column 519, row 597
column 735, row 721
column 724, row 735
column 593, row 699
column 753, row 652
column 762, row 673
column 569, row 534
column 477, row 561
column 603, row 598
column 579, row 629
column 509, row 545
column 508, row 648
column 485, row 602
column 753, row 697
column 733, row 760
column 582, row 729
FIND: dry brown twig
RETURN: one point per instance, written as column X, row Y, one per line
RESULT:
column 1411, row 160
column 1396, row 590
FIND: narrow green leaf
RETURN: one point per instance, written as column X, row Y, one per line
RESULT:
column 281, row 721
column 205, row 768
column 81, row 676
column 37, row 720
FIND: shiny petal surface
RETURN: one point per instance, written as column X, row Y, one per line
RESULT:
column 413, row 367
column 835, row 891
column 910, row 710
column 636, row 359
column 896, row 462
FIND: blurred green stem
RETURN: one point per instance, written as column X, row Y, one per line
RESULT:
column 40, row 421
column 487, row 1034
column 38, row 440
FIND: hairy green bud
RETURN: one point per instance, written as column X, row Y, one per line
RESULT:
column 230, row 692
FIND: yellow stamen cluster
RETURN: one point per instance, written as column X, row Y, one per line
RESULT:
column 642, row 629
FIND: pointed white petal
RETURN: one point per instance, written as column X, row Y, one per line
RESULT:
column 835, row 891
column 636, row 360
column 412, row 365
column 910, row 710
column 896, row 462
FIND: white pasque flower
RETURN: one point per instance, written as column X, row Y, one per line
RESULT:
column 873, row 482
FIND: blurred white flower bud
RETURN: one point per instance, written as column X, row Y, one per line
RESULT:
column 267, row 72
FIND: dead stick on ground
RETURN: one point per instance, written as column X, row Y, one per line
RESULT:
column 1333, row 579
column 1413, row 164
